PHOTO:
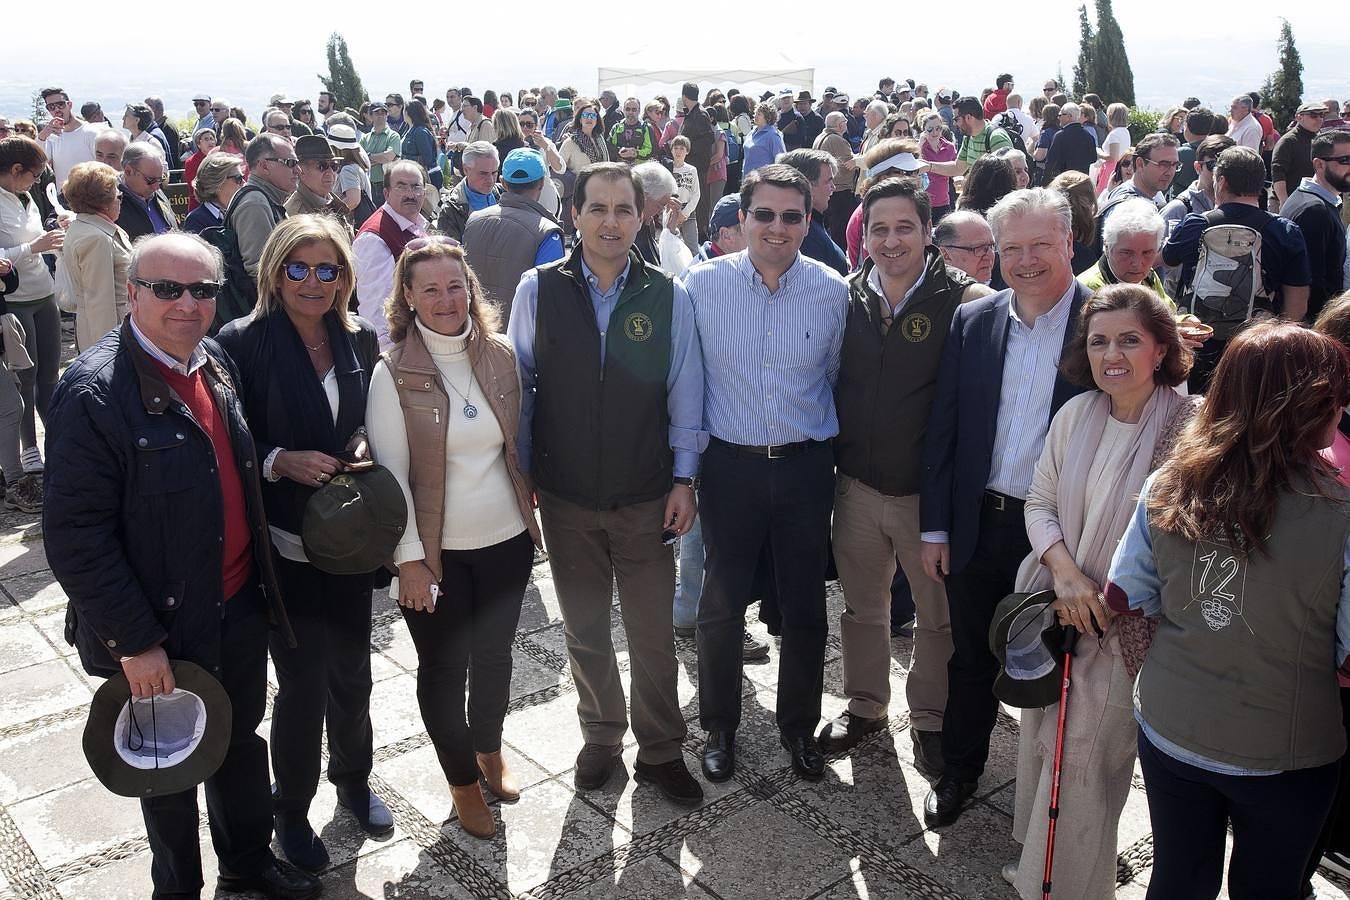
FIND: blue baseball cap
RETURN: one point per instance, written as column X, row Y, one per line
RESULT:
column 522, row 166
column 726, row 214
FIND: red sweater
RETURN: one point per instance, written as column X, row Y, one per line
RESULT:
column 237, row 559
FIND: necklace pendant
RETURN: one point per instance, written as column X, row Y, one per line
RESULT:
column 470, row 411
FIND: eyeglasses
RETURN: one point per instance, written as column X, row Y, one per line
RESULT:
column 57, row 104
column 1315, row 114
column 936, row 129
column 326, row 165
column 286, row 128
column 1164, row 164
column 237, row 178
column 1343, row 159
column 526, row 123
column 977, row 249
column 1210, row 164
column 289, row 162
column 788, row 216
column 431, row 240
column 152, row 180
column 201, row 291
column 327, row 273
column 220, row 109
column 590, row 114
column 391, row 106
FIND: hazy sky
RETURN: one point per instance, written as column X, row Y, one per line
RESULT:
column 1206, row 49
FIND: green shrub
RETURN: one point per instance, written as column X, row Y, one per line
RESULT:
column 1143, row 121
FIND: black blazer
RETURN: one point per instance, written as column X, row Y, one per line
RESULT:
column 285, row 403
column 134, row 220
column 959, row 445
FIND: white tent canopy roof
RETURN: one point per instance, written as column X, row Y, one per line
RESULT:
column 709, row 65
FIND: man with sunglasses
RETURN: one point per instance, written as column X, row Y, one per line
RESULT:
column 1315, row 207
column 67, row 138
column 145, row 207
column 318, row 173
column 151, row 581
column 1198, row 198
column 201, row 104
column 257, row 208
column 1291, row 161
column 771, row 322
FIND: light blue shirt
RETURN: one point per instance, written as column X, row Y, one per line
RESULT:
column 1134, row 574
column 684, row 382
column 770, row 359
column 478, row 201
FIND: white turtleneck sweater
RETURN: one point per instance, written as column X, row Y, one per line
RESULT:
column 480, row 503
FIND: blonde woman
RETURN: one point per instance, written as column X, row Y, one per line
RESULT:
column 443, row 415
column 219, row 178
column 305, row 364
column 96, row 252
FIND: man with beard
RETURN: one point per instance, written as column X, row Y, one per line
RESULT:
column 382, row 238
column 1315, row 207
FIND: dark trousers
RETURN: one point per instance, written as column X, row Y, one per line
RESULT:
column 467, row 638
column 1275, row 818
column 972, row 595
column 1336, row 832
column 326, row 677
column 751, row 502
column 238, row 801
column 837, row 214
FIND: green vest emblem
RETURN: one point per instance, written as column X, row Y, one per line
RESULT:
column 638, row 327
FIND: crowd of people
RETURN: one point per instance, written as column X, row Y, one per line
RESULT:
column 944, row 349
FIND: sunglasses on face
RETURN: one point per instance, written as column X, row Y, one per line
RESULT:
column 152, row 180
column 526, row 123
column 289, row 162
column 789, row 216
column 327, row 273
column 1210, row 164
column 588, row 114
column 286, row 128
column 327, row 165
column 57, row 104
column 202, row 291
column 237, row 178
column 1343, row 159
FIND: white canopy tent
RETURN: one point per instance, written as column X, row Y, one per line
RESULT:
column 647, row 72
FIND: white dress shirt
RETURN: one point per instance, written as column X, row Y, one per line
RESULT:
column 375, row 272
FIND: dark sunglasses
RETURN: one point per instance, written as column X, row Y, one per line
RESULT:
column 327, row 273
column 290, row 162
column 58, row 104
column 153, row 180
column 590, row 114
column 237, row 178
column 429, row 240
column 1210, row 164
column 172, row 290
column 528, row 123
column 789, row 217
column 279, row 127
column 1343, row 159
column 327, row 165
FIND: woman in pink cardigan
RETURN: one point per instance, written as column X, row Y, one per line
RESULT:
column 1100, row 448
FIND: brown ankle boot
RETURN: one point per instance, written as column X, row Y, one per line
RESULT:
column 472, row 810
column 499, row 778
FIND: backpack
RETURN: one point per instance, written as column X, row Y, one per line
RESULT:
column 1226, row 286
column 239, row 294
column 734, row 148
column 1013, row 129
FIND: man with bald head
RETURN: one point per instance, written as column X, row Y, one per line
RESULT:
column 149, row 414
column 109, row 147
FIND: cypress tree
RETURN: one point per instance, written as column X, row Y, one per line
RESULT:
column 342, row 81
column 1111, row 76
column 1082, row 69
column 1283, row 89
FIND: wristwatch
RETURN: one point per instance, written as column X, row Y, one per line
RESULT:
column 687, row 482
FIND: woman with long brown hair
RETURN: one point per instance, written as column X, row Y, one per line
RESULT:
column 1239, row 545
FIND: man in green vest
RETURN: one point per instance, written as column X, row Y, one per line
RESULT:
column 611, row 432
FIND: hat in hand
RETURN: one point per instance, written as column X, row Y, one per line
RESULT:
column 1030, row 644
column 163, row 744
column 353, row 523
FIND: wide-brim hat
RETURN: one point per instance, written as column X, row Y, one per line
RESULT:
column 161, row 745
column 1030, row 644
column 805, row 97
column 343, row 136
column 312, row 147
column 353, row 523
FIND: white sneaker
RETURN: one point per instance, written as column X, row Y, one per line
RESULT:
column 32, row 461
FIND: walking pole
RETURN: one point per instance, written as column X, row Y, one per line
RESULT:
column 1070, row 641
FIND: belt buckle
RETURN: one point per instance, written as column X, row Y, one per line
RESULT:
column 1000, row 501
column 771, row 455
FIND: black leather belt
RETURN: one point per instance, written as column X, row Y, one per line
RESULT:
column 770, row 451
column 1002, row 502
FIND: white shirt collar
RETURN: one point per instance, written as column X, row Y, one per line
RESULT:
column 1055, row 315
column 195, row 361
column 874, row 282
column 418, row 226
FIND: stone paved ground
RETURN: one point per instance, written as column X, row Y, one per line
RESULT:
column 857, row 834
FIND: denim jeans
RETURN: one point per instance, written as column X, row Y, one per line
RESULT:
column 691, row 577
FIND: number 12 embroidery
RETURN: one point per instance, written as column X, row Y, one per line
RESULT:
column 1220, row 588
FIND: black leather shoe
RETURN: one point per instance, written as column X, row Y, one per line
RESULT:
column 807, row 760
column 942, row 806
column 299, row 843
column 928, row 752
column 369, row 810
column 844, row 732
column 672, row 779
column 279, row 881
column 595, row 765
column 719, row 755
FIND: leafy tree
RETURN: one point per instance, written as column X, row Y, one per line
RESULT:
column 1111, row 76
column 1283, row 89
column 342, row 81
column 1082, row 70
column 39, row 110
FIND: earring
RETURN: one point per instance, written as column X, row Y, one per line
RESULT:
column 1157, row 365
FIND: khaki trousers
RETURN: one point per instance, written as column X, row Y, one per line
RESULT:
column 588, row 550
column 871, row 530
